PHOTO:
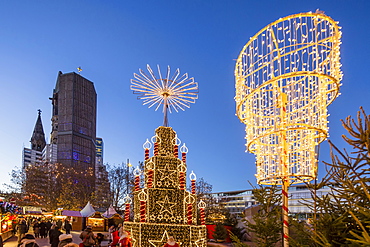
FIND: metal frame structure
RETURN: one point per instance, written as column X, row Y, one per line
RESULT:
column 286, row 76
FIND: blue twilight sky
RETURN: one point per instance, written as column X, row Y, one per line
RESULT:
column 111, row 40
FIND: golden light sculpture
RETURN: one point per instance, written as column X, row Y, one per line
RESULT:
column 286, row 76
column 174, row 92
column 163, row 207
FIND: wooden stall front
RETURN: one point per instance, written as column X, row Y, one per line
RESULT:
column 74, row 218
column 97, row 222
column 7, row 225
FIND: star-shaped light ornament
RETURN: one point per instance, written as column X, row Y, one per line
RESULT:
column 174, row 92
column 167, row 176
column 159, row 243
column 166, row 206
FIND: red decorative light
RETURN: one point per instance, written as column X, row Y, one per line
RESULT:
column 142, row 211
column 176, row 150
column 155, row 148
column 127, row 212
column 182, row 180
column 146, row 154
column 150, row 178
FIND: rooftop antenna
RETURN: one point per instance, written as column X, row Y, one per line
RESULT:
column 174, row 93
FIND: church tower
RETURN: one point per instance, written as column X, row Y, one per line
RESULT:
column 38, row 137
column 33, row 155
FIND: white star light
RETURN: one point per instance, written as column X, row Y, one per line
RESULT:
column 174, row 93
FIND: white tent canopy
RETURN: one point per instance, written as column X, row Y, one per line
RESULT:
column 87, row 211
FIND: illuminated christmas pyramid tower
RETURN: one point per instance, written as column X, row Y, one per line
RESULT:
column 163, row 207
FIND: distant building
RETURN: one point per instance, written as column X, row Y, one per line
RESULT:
column 33, row 155
column 74, row 121
column 49, row 154
column 73, row 141
column 102, row 186
column 73, row 134
column 99, row 153
column 238, row 201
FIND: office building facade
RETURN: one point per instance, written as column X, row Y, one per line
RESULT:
column 74, row 121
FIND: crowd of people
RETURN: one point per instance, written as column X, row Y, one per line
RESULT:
column 117, row 236
column 43, row 229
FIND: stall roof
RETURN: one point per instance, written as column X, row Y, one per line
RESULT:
column 88, row 210
column 71, row 213
column 110, row 212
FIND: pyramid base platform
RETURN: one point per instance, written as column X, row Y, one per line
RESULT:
column 153, row 234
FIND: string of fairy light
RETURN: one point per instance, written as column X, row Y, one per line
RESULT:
column 286, row 76
column 163, row 207
column 292, row 62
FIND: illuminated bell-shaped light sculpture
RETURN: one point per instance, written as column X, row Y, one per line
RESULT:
column 286, row 76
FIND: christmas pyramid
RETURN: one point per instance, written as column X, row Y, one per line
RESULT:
column 164, row 207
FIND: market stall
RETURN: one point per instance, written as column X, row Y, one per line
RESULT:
column 7, row 225
column 97, row 222
column 74, row 217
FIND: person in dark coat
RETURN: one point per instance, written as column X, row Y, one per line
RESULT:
column 59, row 223
column 54, row 237
column 48, row 226
column 67, row 227
column 28, row 241
column 87, row 237
column 22, row 229
column 64, row 239
column 43, row 229
column 36, row 229
column 99, row 238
